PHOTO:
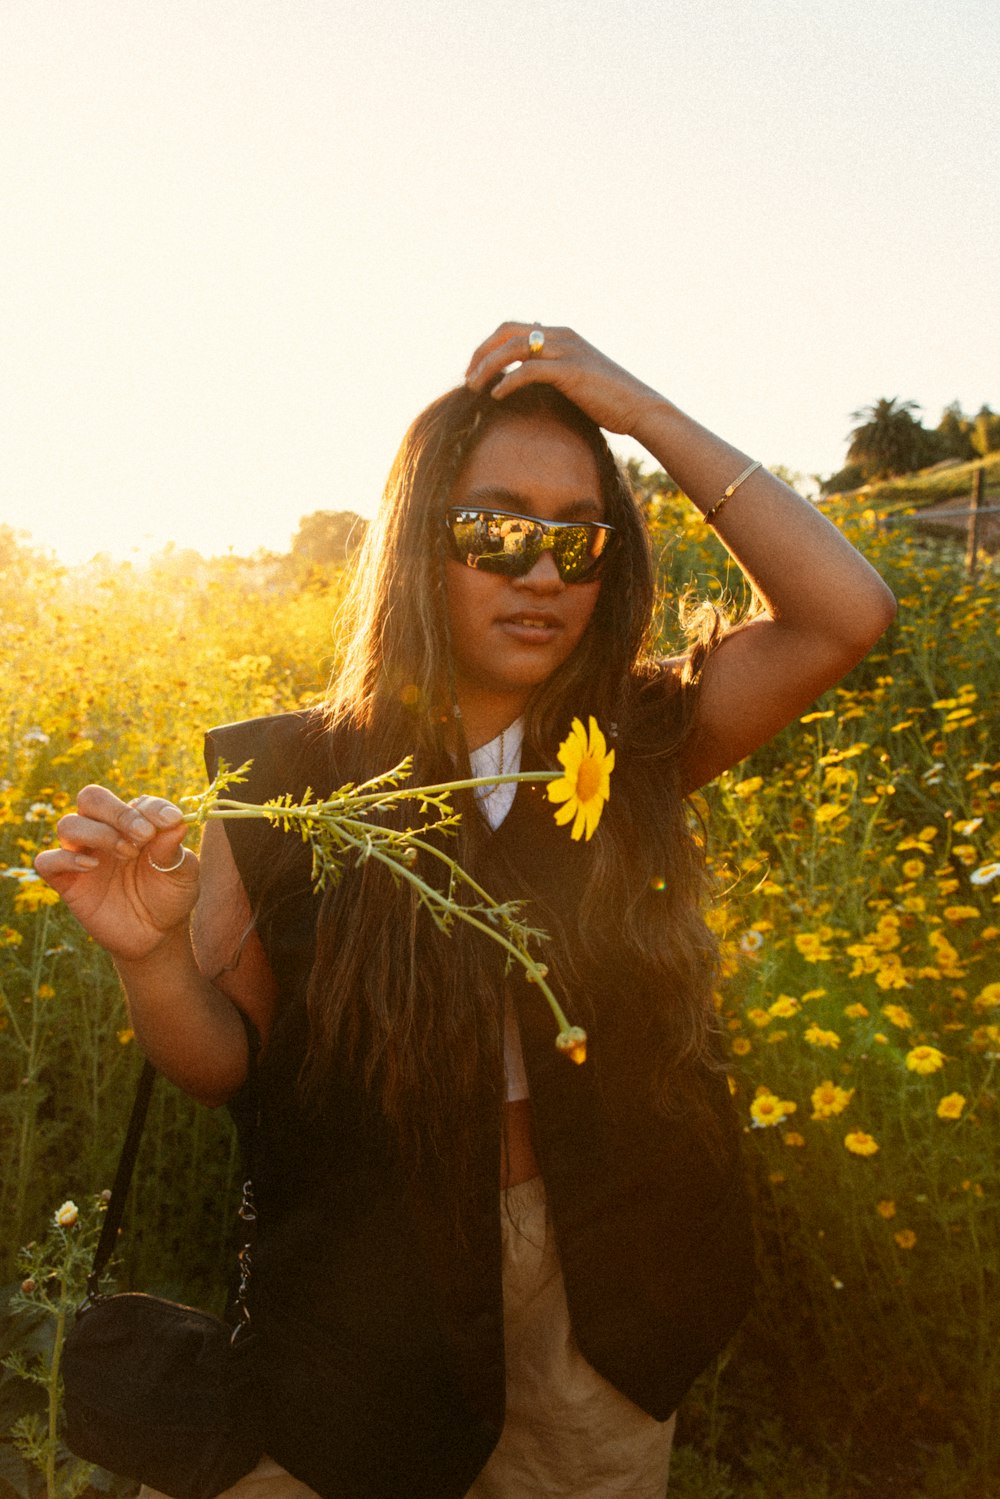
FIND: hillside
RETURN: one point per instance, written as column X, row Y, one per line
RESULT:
column 941, row 496
column 929, row 486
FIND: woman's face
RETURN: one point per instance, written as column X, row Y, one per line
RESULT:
column 510, row 634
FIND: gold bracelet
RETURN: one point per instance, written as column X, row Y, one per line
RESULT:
column 729, row 492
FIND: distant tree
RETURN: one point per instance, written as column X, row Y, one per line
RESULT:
column 954, row 434
column 847, row 478
column 10, row 550
column 887, row 440
column 985, row 433
column 789, row 476
column 327, row 537
column 16, row 550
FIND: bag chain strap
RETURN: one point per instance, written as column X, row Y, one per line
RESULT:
column 248, row 1214
column 123, row 1178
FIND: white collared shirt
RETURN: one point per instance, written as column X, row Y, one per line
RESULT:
column 494, row 803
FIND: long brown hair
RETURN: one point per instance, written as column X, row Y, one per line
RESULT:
column 417, row 1011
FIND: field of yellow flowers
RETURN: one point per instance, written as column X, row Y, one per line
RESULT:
column 857, row 867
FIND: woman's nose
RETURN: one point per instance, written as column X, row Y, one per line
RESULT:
column 543, row 577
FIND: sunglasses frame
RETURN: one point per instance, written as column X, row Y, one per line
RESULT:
column 550, row 530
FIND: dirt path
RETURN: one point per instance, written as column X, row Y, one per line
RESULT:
column 938, row 519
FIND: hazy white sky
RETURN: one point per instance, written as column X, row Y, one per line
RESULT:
column 245, row 241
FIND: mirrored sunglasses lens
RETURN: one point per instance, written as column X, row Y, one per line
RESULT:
column 511, row 545
column 493, row 542
column 577, row 550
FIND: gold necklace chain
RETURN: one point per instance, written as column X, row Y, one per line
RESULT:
column 499, row 767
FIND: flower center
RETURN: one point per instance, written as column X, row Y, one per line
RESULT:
column 588, row 778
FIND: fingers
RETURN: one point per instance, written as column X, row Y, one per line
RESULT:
column 56, row 865
column 504, row 336
column 607, row 393
column 508, row 345
column 104, row 824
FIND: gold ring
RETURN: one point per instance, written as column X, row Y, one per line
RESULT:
column 536, row 343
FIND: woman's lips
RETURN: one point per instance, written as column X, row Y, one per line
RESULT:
column 531, row 627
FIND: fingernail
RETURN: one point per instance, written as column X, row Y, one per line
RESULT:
column 167, row 815
column 126, row 850
column 141, row 828
column 85, row 861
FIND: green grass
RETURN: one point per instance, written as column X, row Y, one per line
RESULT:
column 932, row 485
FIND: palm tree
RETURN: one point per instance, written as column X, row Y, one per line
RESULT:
column 888, row 440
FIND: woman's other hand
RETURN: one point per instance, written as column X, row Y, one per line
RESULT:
column 105, row 870
column 610, row 396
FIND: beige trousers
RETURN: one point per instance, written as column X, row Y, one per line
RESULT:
column 568, row 1433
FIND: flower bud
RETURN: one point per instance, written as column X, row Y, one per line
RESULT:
column 67, row 1215
column 27, row 1286
column 573, row 1043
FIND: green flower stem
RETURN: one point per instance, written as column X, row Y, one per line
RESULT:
column 535, row 972
column 336, row 826
column 53, row 1391
column 220, row 808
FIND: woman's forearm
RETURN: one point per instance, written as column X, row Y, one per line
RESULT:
column 806, row 573
column 188, row 1028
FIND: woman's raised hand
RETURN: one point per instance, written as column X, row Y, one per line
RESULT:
column 609, row 395
column 105, row 870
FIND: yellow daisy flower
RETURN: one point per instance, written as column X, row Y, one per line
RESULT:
column 951, row 1106
column 768, row 1109
column 585, row 787
column 898, row 1016
column 925, row 1059
column 829, row 1100
column 860, row 1143
column 817, row 1036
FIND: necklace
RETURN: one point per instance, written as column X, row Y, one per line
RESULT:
column 499, row 771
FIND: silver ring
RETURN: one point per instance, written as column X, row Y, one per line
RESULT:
column 536, row 342
column 167, row 868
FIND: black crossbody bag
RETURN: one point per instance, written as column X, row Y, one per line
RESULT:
column 154, row 1390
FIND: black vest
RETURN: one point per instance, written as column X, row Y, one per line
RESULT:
column 382, row 1331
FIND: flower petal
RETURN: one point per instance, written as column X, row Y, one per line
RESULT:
column 561, row 790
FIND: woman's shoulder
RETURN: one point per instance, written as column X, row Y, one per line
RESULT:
column 272, row 734
column 288, row 753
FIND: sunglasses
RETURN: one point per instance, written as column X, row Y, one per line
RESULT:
column 501, row 541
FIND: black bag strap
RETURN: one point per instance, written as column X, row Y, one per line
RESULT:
column 126, row 1166
column 123, row 1179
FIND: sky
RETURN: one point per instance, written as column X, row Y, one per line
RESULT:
column 246, row 241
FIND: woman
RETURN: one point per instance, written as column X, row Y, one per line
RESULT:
column 481, row 1269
